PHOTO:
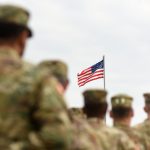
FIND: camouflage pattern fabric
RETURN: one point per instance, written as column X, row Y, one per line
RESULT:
column 122, row 100
column 111, row 138
column 147, row 98
column 134, row 135
column 15, row 15
column 32, row 111
column 56, row 67
column 144, row 129
column 85, row 137
column 94, row 95
column 76, row 113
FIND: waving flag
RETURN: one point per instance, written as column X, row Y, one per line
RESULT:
column 92, row 73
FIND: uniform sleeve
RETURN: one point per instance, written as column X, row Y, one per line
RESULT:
column 143, row 139
column 51, row 117
column 125, row 143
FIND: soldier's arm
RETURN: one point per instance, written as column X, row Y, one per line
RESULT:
column 126, row 143
column 51, row 116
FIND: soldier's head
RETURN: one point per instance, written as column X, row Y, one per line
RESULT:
column 121, row 107
column 14, row 29
column 95, row 104
column 57, row 68
column 147, row 103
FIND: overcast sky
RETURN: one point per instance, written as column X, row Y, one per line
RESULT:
column 80, row 32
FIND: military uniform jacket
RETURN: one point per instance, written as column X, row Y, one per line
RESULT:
column 134, row 135
column 85, row 137
column 144, row 129
column 111, row 138
column 32, row 111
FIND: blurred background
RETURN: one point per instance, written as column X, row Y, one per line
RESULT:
column 80, row 32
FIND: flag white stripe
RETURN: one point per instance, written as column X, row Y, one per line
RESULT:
column 85, row 78
column 89, row 77
column 90, row 73
column 94, row 72
column 81, row 81
column 85, row 71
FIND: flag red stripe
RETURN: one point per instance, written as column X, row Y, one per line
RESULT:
column 94, row 72
column 85, row 78
column 90, row 73
column 94, row 75
column 84, row 81
column 91, row 79
column 85, row 71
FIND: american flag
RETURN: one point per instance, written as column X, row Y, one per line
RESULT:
column 92, row 73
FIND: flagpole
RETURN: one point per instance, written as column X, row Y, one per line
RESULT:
column 104, row 79
column 104, row 70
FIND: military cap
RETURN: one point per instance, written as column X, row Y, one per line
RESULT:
column 15, row 15
column 122, row 100
column 58, row 68
column 147, row 98
column 94, row 96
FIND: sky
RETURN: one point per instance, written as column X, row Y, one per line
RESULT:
column 80, row 32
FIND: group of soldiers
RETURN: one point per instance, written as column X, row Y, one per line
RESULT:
column 121, row 136
column 33, row 112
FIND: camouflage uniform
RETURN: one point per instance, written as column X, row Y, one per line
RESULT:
column 76, row 112
column 109, row 138
column 57, row 68
column 122, row 100
column 144, row 128
column 15, row 15
column 84, row 137
column 32, row 109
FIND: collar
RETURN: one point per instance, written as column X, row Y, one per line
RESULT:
column 120, row 125
column 6, row 52
column 94, row 121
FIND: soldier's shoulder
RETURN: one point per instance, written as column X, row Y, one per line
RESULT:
column 117, row 138
column 139, row 126
column 112, row 130
column 85, row 137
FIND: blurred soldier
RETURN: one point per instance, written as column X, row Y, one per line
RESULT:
column 144, row 127
column 59, row 70
column 122, row 113
column 76, row 112
column 84, row 137
column 31, row 102
column 95, row 107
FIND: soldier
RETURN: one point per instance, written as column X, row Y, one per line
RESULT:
column 59, row 70
column 122, row 113
column 32, row 108
column 144, row 127
column 95, row 107
column 84, row 137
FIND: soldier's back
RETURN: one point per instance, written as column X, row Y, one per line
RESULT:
column 85, row 138
column 15, row 88
column 144, row 129
column 30, row 103
column 140, row 140
column 111, row 136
